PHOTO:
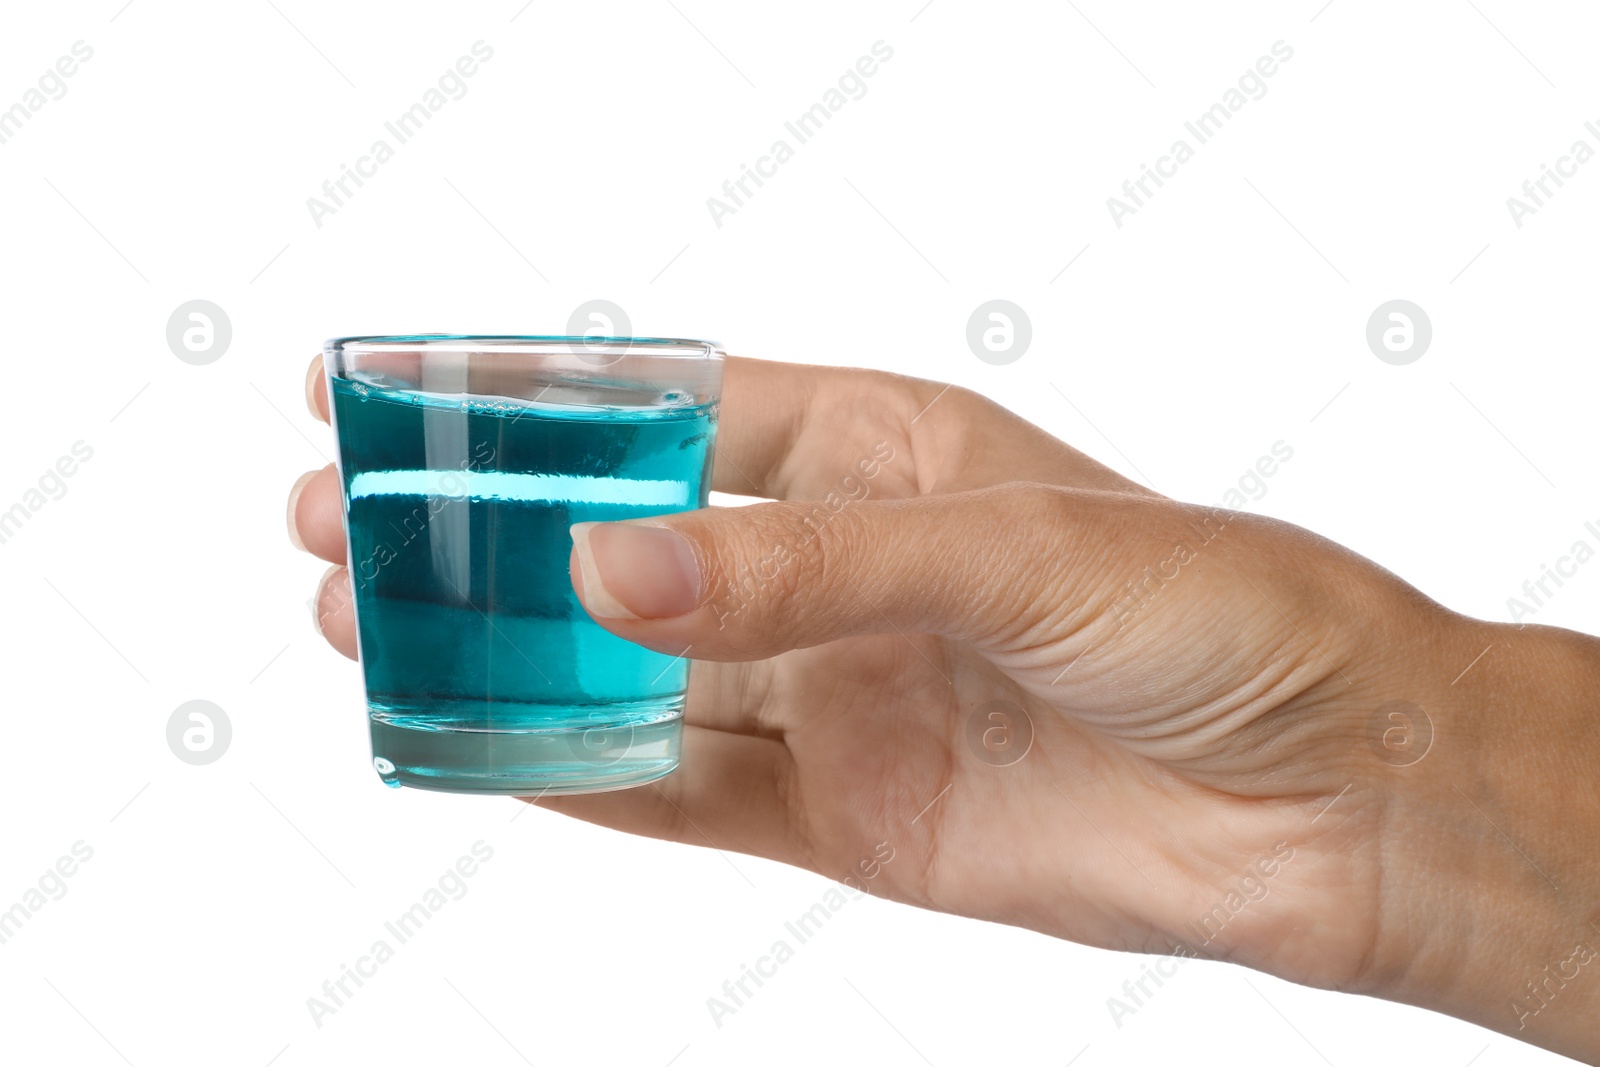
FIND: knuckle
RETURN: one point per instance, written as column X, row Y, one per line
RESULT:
column 1043, row 545
column 1038, row 503
column 780, row 558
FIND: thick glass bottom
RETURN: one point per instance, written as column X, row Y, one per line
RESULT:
column 571, row 750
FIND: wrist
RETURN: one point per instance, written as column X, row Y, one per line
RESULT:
column 1491, row 842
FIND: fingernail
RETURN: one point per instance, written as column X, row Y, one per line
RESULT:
column 313, row 375
column 636, row 572
column 294, row 502
column 316, row 598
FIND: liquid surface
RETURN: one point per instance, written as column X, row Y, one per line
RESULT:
column 481, row 665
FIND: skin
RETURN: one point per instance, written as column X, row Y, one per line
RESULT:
column 1278, row 754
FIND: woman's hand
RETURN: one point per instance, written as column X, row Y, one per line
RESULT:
column 957, row 663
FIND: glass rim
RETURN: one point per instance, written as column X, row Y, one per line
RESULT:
column 664, row 347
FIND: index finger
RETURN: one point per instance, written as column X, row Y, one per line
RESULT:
column 790, row 431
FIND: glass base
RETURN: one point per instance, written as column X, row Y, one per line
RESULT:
column 434, row 749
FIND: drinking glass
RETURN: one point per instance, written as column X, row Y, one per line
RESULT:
column 464, row 461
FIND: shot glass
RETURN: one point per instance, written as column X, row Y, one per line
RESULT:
column 464, row 461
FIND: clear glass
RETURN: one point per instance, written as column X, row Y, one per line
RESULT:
column 464, row 461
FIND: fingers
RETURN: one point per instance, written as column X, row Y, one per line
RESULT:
column 730, row 793
column 1003, row 568
column 316, row 520
column 334, row 614
column 317, row 389
column 316, row 526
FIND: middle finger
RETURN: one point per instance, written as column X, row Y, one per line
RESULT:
column 316, row 515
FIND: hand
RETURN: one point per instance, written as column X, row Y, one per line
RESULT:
column 1053, row 698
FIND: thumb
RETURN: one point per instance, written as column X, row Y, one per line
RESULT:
column 998, row 567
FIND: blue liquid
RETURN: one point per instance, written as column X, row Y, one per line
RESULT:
column 483, row 671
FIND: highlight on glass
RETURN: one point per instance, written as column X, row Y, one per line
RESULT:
column 464, row 461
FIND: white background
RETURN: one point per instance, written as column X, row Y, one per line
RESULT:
column 1226, row 315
